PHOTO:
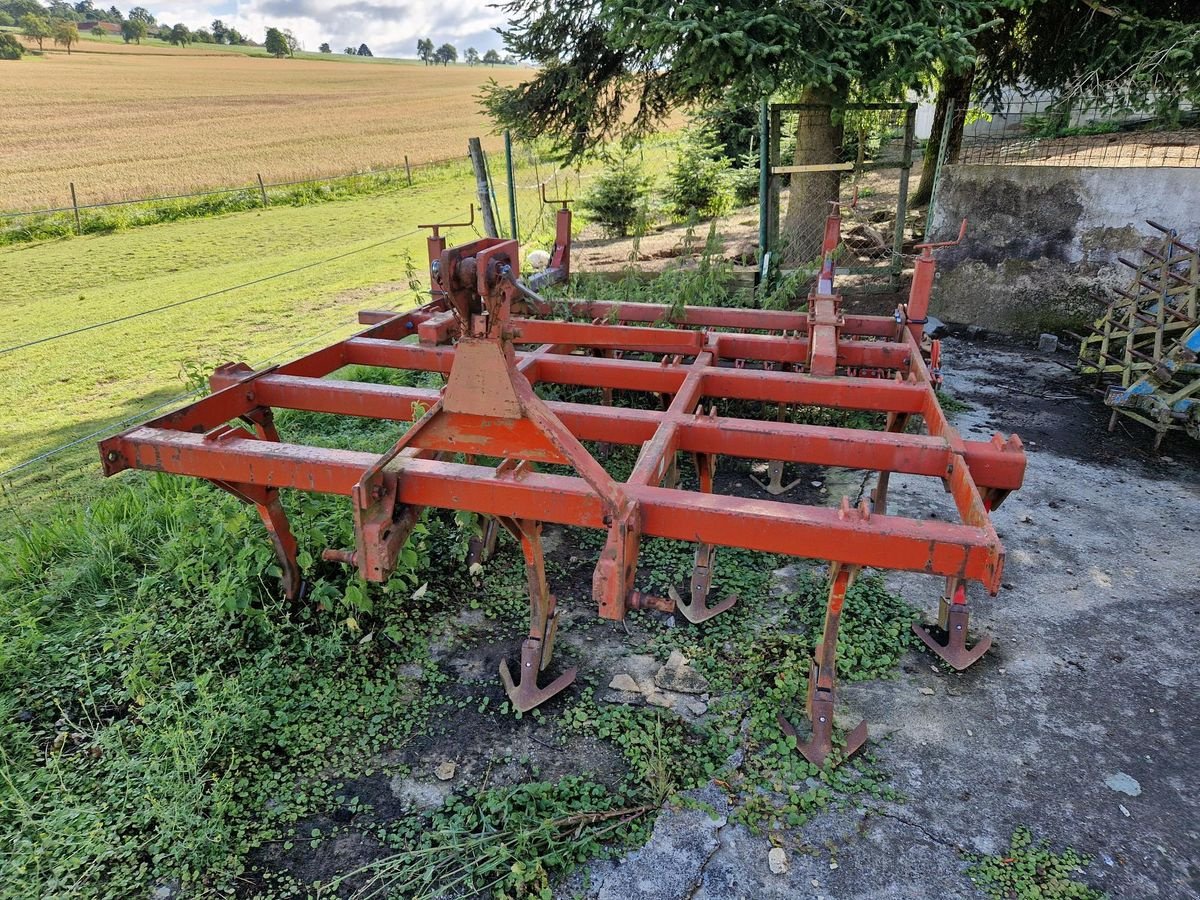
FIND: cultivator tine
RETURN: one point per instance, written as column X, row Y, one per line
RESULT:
column 950, row 641
column 822, row 681
column 696, row 609
column 537, row 649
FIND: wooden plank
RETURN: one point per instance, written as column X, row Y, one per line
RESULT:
column 818, row 167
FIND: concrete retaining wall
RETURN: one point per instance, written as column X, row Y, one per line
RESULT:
column 1042, row 241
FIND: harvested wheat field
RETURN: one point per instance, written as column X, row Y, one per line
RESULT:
column 137, row 124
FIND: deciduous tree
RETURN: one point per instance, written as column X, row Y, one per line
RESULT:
column 446, row 54
column 276, row 44
column 180, row 36
column 491, row 58
column 472, row 56
column 141, row 14
column 66, row 34
column 36, row 28
column 133, row 30
column 425, row 50
column 325, row 48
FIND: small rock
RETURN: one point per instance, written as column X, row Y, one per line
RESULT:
column 678, row 676
column 697, row 708
column 624, row 682
column 658, row 698
column 1124, row 811
column 676, row 660
column 1125, row 784
column 816, row 484
column 1047, row 343
column 778, row 861
column 166, row 891
column 927, row 691
column 445, row 771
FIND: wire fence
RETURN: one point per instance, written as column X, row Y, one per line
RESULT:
column 861, row 154
column 1077, row 131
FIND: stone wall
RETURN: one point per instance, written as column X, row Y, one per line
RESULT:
column 1042, row 241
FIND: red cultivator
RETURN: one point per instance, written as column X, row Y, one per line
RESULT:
column 495, row 339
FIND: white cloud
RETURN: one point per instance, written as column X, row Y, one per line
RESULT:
column 390, row 29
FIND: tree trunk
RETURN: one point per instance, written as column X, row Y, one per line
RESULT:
column 958, row 87
column 818, row 142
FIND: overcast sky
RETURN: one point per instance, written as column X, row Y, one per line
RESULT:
column 389, row 28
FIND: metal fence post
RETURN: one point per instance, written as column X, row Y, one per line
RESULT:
column 764, row 169
column 943, row 149
column 512, row 187
column 262, row 189
column 75, row 206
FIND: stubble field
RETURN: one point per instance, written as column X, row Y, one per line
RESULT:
column 123, row 123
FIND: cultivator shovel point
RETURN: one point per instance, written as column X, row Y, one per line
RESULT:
column 696, row 608
column 524, row 694
column 477, row 443
column 822, row 681
column 950, row 641
column 774, row 484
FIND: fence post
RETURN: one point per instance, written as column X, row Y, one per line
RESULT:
column 512, row 187
column 262, row 188
column 481, row 187
column 407, row 170
column 943, row 147
column 764, row 171
column 896, row 266
column 75, row 206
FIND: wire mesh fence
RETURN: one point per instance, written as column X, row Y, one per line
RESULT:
column 1076, row 131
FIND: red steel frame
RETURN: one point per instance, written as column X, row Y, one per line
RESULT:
column 482, row 313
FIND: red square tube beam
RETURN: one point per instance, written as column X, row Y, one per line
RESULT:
column 939, row 548
column 990, row 464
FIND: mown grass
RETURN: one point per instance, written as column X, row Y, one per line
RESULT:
column 61, row 390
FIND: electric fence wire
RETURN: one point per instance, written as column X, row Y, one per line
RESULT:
column 145, row 414
column 157, row 309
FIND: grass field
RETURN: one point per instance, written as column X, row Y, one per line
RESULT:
column 64, row 389
column 124, row 121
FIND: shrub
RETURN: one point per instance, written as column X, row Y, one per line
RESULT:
column 617, row 199
column 696, row 181
column 10, row 47
column 744, row 179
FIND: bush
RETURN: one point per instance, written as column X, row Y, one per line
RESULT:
column 744, row 179
column 696, row 181
column 10, row 47
column 617, row 199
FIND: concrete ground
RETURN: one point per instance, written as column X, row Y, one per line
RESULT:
column 1081, row 722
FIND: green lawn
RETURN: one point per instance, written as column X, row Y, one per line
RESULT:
column 64, row 389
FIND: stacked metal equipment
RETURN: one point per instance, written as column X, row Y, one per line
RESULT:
column 1146, row 345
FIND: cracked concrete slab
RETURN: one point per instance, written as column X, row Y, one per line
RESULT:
column 1091, row 673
